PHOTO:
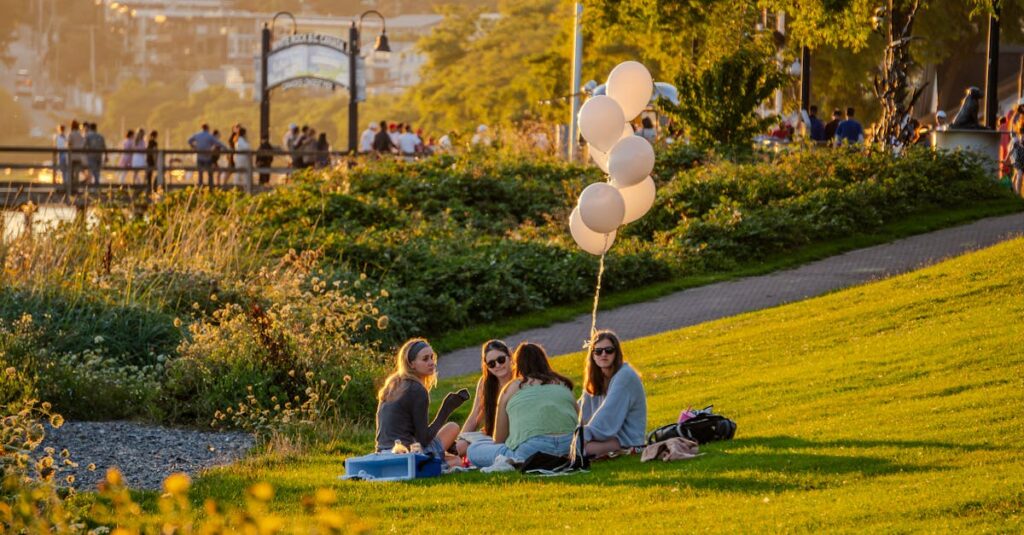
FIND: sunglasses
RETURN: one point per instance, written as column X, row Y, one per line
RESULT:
column 604, row 351
column 495, row 362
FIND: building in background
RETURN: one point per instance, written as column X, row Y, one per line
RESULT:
column 193, row 39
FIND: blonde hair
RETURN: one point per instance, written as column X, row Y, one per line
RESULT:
column 395, row 384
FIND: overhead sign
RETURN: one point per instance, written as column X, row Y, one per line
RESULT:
column 311, row 60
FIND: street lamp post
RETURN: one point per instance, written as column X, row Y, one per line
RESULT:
column 381, row 46
column 266, row 37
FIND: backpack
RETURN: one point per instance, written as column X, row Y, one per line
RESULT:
column 703, row 427
column 545, row 464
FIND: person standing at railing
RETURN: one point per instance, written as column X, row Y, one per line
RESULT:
column 97, row 155
column 76, row 141
column 151, row 154
column 323, row 152
column 125, row 159
column 382, row 143
column 203, row 143
column 138, row 155
column 366, row 140
column 243, row 160
column 233, row 145
column 60, row 142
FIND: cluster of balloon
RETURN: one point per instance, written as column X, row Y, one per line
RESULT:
column 627, row 158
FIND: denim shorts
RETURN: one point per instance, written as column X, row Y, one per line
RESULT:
column 483, row 452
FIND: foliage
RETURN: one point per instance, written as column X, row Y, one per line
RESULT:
column 302, row 326
column 719, row 104
column 473, row 76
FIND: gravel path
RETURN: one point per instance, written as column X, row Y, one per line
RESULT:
column 145, row 454
column 714, row 301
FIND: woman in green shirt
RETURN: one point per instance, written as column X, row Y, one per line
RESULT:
column 536, row 412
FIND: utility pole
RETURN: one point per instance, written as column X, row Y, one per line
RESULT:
column 577, row 67
column 992, row 73
column 92, row 57
column 780, row 26
column 353, row 90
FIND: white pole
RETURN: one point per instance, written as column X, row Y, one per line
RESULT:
column 577, row 67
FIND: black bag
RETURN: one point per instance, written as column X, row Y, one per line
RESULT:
column 704, row 427
column 546, row 464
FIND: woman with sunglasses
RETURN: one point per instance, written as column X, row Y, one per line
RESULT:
column 496, row 372
column 536, row 412
column 404, row 399
column 613, row 407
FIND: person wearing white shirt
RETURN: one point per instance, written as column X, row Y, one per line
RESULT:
column 243, row 160
column 407, row 143
column 481, row 137
column 366, row 140
column 60, row 141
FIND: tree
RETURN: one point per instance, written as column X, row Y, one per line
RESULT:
column 719, row 104
column 481, row 70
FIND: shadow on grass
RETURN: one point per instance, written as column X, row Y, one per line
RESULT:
column 736, row 466
column 789, row 442
column 754, row 465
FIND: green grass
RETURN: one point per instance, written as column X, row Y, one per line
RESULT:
column 917, row 224
column 889, row 407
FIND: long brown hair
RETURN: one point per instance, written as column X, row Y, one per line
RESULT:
column 594, row 381
column 492, row 386
column 531, row 362
column 395, row 384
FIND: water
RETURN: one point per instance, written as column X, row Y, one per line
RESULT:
column 45, row 218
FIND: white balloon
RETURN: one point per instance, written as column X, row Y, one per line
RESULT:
column 631, row 85
column 601, row 122
column 638, row 198
column 602, row 207
column 588, row 240
column 601, row 157
column 630, row 161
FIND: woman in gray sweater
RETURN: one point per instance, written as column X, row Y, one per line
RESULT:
column 404, row 399
column 613, row 407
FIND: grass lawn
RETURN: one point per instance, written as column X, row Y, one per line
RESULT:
column 889, row 407
column 916, row 224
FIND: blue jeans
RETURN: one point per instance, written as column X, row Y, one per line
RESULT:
column 483, row 452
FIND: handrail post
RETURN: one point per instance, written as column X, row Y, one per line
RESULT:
column 70, row 173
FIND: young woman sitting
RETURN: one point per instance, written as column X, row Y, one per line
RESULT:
column 496, row 372
column 613, row 407
column 536, row 412
column 404, row 399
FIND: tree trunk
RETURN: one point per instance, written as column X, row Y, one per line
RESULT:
column 891, row 84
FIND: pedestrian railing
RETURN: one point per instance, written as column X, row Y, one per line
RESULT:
column 78, row 172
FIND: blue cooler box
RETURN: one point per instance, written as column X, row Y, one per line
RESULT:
column 391, row 466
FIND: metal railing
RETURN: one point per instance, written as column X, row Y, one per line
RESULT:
column 72, row 170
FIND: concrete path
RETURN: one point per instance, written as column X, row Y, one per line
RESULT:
column 719, row 300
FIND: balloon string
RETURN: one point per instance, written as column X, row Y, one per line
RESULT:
column 597, row 292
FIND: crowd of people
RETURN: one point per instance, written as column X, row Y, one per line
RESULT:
column 841, row 130
column 521, row 406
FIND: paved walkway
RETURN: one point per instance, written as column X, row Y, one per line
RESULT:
column 719, row 300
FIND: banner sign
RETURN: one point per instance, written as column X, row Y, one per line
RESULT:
column 311, row 60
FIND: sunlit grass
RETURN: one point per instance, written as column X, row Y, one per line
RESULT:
column 888, row 407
